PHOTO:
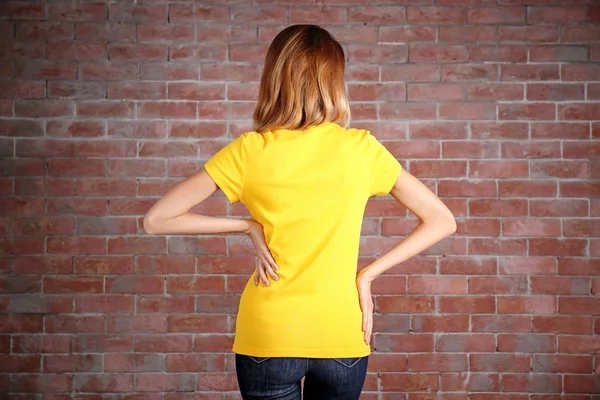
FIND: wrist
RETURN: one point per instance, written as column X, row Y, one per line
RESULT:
column 365, row 275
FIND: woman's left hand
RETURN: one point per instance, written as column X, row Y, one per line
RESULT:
column 265, row 264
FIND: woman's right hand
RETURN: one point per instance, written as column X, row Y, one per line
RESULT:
column 363, row 283
column 265, row 264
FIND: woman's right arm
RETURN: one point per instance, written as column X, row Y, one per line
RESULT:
column 437, row 223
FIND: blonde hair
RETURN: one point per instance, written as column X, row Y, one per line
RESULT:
column 302, row 82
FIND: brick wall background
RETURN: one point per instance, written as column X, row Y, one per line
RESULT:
column 495, row 104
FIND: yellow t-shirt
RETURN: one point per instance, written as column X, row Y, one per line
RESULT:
column 308, row 189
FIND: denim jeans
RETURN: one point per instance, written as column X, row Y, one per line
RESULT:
column 279, row 378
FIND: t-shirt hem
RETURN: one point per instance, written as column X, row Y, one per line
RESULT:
column 391, row 180
column 217, row 177
column 302, row 353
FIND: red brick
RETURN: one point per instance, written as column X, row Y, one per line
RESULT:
column 28, row 50
column 468, row 72
column 46, row 226
column 44, row 148
column 465, row 343
column 19, row 363
column 134, row 284
column 107, row 70
column 103, row 187
column 500, row 130
column 195, row 362
column 528, row 188
column 75, row 128
column 429, row 169
column 17, row 11
column 135, row 90
column 527, row 305
column 499, row 208
column 527, row 111
column 556, row 14
column 136, row 323
column 73, row 363
column 437, row 362
column 137, row 168
column 105, row 32
column 529, row 72
column 43, row 265
column 197, row 323
column 107, row 149
column 531, row 227
column 22, row 206
column 559, row 208
column 468, row 34
column 225, row 33
column 439, row 92
column 466, row 188
column 581, row 384
column 77, row 51
column 30, row 30
column 43, row 108
column 195, row 284
column 105, row 109
column 495, row 91
column 74, row 324
column 388, row 362
column 439, row 54
column 579, row 189
column 41, row 343
column 104, row 304
column 47, row 383
column 439, row 284
column 500, row 362
column 164, row 109
column 406, row 304
column 497, row 285
column 560, row 130
column 578, row 305
column 549, row 53
column 532, row 383
column 45, row 186
column 383, row 53
column 562, row 363
column 579, row 228
column 409, row 72
column 555, row 92
column 406, row 34
column 160, row 304
column 527, row 343
column 496, row 15
column 578, row 266
column 138, row 13
column 103, row 343
column 560, row 169
column 22, row 324
column 137, row 245
column 577, row 34
column 440, row 323
column 378, row 14
column 528, row 34
column 208, row 52
column 421, row 382
column 103, row 382
column 142, row 52
column 498, row 246
column 73, row 284
column 163, row 343
column 432, row 14
column 377, row 91
column 500, row 53
column 563, row 324
column 557, row 247
column 467, row 110
column 404, row 343
column 160, row 382
column 134, row 363
column 137, row 129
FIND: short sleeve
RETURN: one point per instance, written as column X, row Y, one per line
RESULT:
column 226, row 168
column 383, row 167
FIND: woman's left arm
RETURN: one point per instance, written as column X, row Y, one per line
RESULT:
column 171, row 216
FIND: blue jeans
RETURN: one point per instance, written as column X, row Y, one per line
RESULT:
column 279, row 378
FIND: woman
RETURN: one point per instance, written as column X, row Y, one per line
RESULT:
column 305, row 180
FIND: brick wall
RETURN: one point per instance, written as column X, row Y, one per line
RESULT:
column 495, row 104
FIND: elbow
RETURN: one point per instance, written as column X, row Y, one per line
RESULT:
column 450, row 224
column 150, row 225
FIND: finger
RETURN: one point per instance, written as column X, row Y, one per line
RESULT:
column 272, row 262
column 269, row 267
column 256, row 274
column 263, row 276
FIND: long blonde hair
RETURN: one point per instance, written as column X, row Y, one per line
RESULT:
column 302, row 82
